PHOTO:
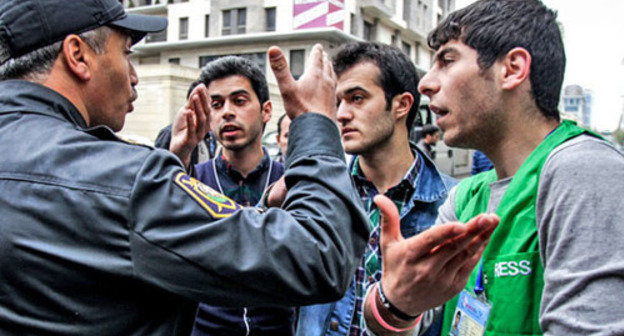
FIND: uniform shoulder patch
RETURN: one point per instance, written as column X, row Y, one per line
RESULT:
column 217, row 205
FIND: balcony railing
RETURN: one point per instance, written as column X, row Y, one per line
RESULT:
column 378, row 8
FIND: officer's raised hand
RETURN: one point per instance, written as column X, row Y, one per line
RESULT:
column 428, row 269
column 190, row 125
column 315, row 91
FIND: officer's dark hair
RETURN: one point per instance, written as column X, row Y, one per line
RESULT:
column 494, row 27
column 279, row 124
column 397, row 73
column 429, row 130
column 38, row 63
column 234, row 65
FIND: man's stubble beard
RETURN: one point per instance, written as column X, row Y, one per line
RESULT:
column 384, row 133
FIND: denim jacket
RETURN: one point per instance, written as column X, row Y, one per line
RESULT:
column 431, row 189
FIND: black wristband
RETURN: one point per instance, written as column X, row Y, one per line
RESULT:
column 392, row 308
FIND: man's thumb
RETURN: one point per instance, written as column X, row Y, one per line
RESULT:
column 390, row 222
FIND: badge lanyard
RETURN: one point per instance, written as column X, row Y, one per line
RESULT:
column 478, row 289
column 472, row 311
column 214, row 169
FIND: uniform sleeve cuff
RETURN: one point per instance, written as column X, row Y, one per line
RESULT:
column 313, row 134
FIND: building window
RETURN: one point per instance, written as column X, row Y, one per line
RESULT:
column 417, row 53
column 353, row 26
column 241, row 20
column 297, row 62
column 258, row 58
column 406, row 10
column 368, row 31
column 184, row 28
column 207, row 25
column 174, row 60
column 227, row 23
column 160, row 36
column 407, row 49
column 270, row 18
column 203, row 60
column 238, row 15
column 393, row 40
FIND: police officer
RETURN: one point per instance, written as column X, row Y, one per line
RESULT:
column 100, row 237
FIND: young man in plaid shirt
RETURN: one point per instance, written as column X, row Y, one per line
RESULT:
column 377, row 104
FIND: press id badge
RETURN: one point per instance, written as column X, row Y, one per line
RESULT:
column 471, row 315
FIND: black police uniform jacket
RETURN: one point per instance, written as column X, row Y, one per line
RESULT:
column 101, row 237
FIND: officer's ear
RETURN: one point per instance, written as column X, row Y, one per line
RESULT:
column 78, row 57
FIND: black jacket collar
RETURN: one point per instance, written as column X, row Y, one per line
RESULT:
column 28, row 97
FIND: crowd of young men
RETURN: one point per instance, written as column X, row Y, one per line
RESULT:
column 377, row 105
column 103, row 237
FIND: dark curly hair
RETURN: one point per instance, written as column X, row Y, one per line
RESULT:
column 494, row 27
column 234, row 65
column 397, row 74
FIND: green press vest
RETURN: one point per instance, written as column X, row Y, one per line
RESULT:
column 513, row 273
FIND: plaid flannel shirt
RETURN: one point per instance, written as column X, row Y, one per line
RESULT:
column 369, row 270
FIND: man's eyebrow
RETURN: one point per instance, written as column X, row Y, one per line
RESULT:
column 353, row 89
column 441, row 53
column 237, row 92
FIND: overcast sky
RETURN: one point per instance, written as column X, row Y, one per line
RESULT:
column 594, row 44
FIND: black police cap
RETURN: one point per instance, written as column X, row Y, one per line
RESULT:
column 27, row 25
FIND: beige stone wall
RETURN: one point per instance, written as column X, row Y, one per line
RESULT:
column 162, row 91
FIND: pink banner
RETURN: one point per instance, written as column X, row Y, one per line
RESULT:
column 318, row 14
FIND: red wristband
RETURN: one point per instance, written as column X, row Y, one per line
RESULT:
column 380, row 319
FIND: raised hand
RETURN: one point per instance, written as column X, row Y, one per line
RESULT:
column 315, row 91
column 190, row 125
column 428, row 269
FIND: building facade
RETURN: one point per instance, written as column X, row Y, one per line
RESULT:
column 202, row 30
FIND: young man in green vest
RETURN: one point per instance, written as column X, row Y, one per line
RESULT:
column 553, row 265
